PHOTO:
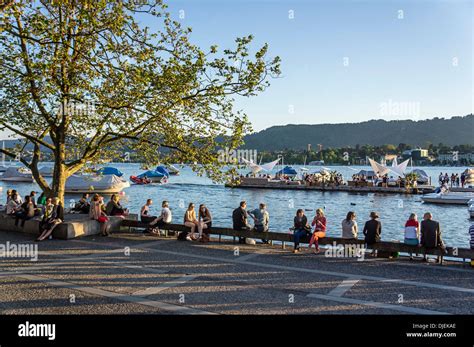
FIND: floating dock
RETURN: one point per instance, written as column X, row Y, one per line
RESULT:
column 259, row 183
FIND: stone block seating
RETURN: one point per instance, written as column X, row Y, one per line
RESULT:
column 75, row 225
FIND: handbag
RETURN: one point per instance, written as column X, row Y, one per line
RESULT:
column 102, row 219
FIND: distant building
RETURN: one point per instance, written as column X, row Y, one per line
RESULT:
column 453, row 157
column 419, row 154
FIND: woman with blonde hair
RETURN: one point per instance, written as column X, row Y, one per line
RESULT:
column 191, row 221
column 319, row 224
column 56, row 218
column 97, row 213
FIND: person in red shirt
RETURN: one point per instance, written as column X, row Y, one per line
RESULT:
column 319, row 224
column 412, row 232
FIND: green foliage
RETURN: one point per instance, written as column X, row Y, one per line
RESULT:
column 145, row 90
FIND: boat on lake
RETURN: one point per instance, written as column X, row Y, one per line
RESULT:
column 470, row 207
column 173, row 170
column 154, row 176
column 108, row 170
column 106, row 184
column 46, row 171
column 15, row 174
column 444, row 196
column 140, row 181
column 287, row 171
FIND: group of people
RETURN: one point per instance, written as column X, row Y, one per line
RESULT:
column 318, row 179
column 49, row 210
column 426, row 233
column 455, row 180
column 100, row 211
column 200, row 224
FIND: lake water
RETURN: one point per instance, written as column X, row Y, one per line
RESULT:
column 282, row 204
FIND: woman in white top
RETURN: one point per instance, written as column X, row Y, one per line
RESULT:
column 13, row 205
column 163, row 219
column 349, row 226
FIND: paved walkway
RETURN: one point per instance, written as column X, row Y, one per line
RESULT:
column 136, row 274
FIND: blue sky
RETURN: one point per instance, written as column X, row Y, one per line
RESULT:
column 416, row 67
column 422, row 60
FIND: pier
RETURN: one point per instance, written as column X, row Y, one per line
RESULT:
column 299, row 185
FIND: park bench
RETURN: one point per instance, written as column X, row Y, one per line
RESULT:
column 284, row 238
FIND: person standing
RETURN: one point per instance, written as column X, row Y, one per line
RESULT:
column 463, row 179
column 96, row 212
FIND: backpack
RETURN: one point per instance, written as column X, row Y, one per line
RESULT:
column 182, row 235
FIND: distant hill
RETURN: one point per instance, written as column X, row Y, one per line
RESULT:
column 454, row 131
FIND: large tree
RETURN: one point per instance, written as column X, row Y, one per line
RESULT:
column 81, row 79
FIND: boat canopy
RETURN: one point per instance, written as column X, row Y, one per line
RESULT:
column 420, row 173
column 255, row 168
column 172, row 169
column 366, row 173
column 400, row 169
column 379, row 168
column 287, row 170
column 163, row 170
column 91, row 182
column 151, row 173
column 108, row 170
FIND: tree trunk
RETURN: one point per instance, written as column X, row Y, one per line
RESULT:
column 60, row 172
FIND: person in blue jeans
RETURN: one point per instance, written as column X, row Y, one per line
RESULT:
column 301, row 228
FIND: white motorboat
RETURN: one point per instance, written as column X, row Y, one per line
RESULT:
column 46, row 171
column 15, row 174
column 107, row 184
column 3, row 168
column 471, row 207
column 442, row 196
column 173, row 170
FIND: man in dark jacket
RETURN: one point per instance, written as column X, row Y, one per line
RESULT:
column 239, row 219
column 431, row 234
